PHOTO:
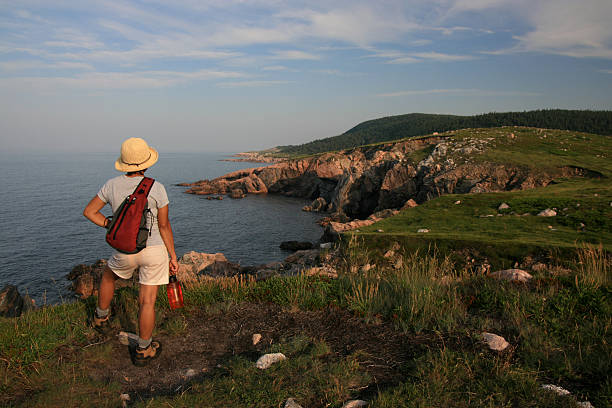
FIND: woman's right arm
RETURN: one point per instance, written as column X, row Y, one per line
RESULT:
column 92, row 212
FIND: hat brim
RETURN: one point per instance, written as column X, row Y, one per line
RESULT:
column 125, row 167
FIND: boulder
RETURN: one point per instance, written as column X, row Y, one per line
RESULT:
column 192, row 263
column 290, row 403
column 267, row 360
column 296, row 245
column 221, row 269
column 305, row 257
column 503, row 206
column 11, row 302
column 355, row 404
column 83, row 285
column 256, row 338
column 494, row 342
column 422, row 231
column 326, row 271
column 409, row 204
column 237, row 193
column 318, row 205
column 517, row 275
column 86, row 279
column 547, row 213
column 556, row 389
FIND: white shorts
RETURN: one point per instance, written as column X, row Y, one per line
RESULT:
column 152, row 263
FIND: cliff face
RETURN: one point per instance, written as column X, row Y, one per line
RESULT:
column 358, row 182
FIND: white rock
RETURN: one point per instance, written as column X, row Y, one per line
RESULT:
column 503, row 206
column 355, row 404
column 267, row 360
column 512, row 275
column 422, row 230
column 457, row 202
column 256, row 338
column 326, row 245
column 290, row 403
column 547, row 213
column 495, row 342
column 379, row 230
column 556, row 389
column 190, row 372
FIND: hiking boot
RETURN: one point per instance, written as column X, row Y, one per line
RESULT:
column 142, row 356
column 101, row 324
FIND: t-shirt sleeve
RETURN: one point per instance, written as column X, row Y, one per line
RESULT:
column 105, row 192
column 161, row 196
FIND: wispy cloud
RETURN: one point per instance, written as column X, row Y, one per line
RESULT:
column 294, row 55
column 455, row 91
column 115, row 80
column 251, row 84
column 275, row 68
column 563, row 27
column 18, row 66
column 399, row 57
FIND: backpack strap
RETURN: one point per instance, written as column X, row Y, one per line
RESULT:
column 144, row 187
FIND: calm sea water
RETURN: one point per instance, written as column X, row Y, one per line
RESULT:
column 44, row 234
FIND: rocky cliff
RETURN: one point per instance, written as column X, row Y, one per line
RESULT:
column 359, row 182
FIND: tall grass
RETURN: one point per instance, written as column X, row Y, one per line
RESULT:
column 416, row 294
column 594, row 266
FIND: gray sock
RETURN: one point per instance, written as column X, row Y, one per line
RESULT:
column 102, row 313
column 142, row 343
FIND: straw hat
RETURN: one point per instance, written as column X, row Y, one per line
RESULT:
column 136, row 155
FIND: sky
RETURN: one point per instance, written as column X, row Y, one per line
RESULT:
column 237, row 75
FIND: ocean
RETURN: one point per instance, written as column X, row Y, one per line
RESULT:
column 45, row 235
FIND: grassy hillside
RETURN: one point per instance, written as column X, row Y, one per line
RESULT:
column 395, row 336
column 583, row 205
column 416, row 124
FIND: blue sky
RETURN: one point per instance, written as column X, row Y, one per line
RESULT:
column 231, row 75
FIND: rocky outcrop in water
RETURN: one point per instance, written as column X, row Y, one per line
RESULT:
column 12, row 304
column 359, row 182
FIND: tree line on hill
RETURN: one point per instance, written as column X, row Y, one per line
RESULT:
column 418, row 124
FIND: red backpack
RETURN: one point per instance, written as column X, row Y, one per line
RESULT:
column 127, row 231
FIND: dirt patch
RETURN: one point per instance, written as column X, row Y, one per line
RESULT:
column 211, row 337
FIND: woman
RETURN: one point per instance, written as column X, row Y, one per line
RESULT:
column 152, row 262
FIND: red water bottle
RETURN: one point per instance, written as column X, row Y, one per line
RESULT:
column 175, row 293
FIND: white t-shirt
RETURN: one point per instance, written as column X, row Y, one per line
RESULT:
column 115, row 190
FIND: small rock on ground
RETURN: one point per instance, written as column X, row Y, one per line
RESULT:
column 355, row 404
column 422, row 230
column 556, row 389
column 267, row 360
column 495, row 342
column 256, row 338
column 518, row 275
column 547, row 213
column 503, row 206
column 290, row 403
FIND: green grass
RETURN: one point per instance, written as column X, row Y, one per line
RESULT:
column 308, row 375
column 558, row 326
column 504, row 236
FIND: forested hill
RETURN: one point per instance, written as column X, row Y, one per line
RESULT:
column 417, row 124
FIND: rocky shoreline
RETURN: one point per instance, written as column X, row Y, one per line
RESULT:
column 357, row 183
